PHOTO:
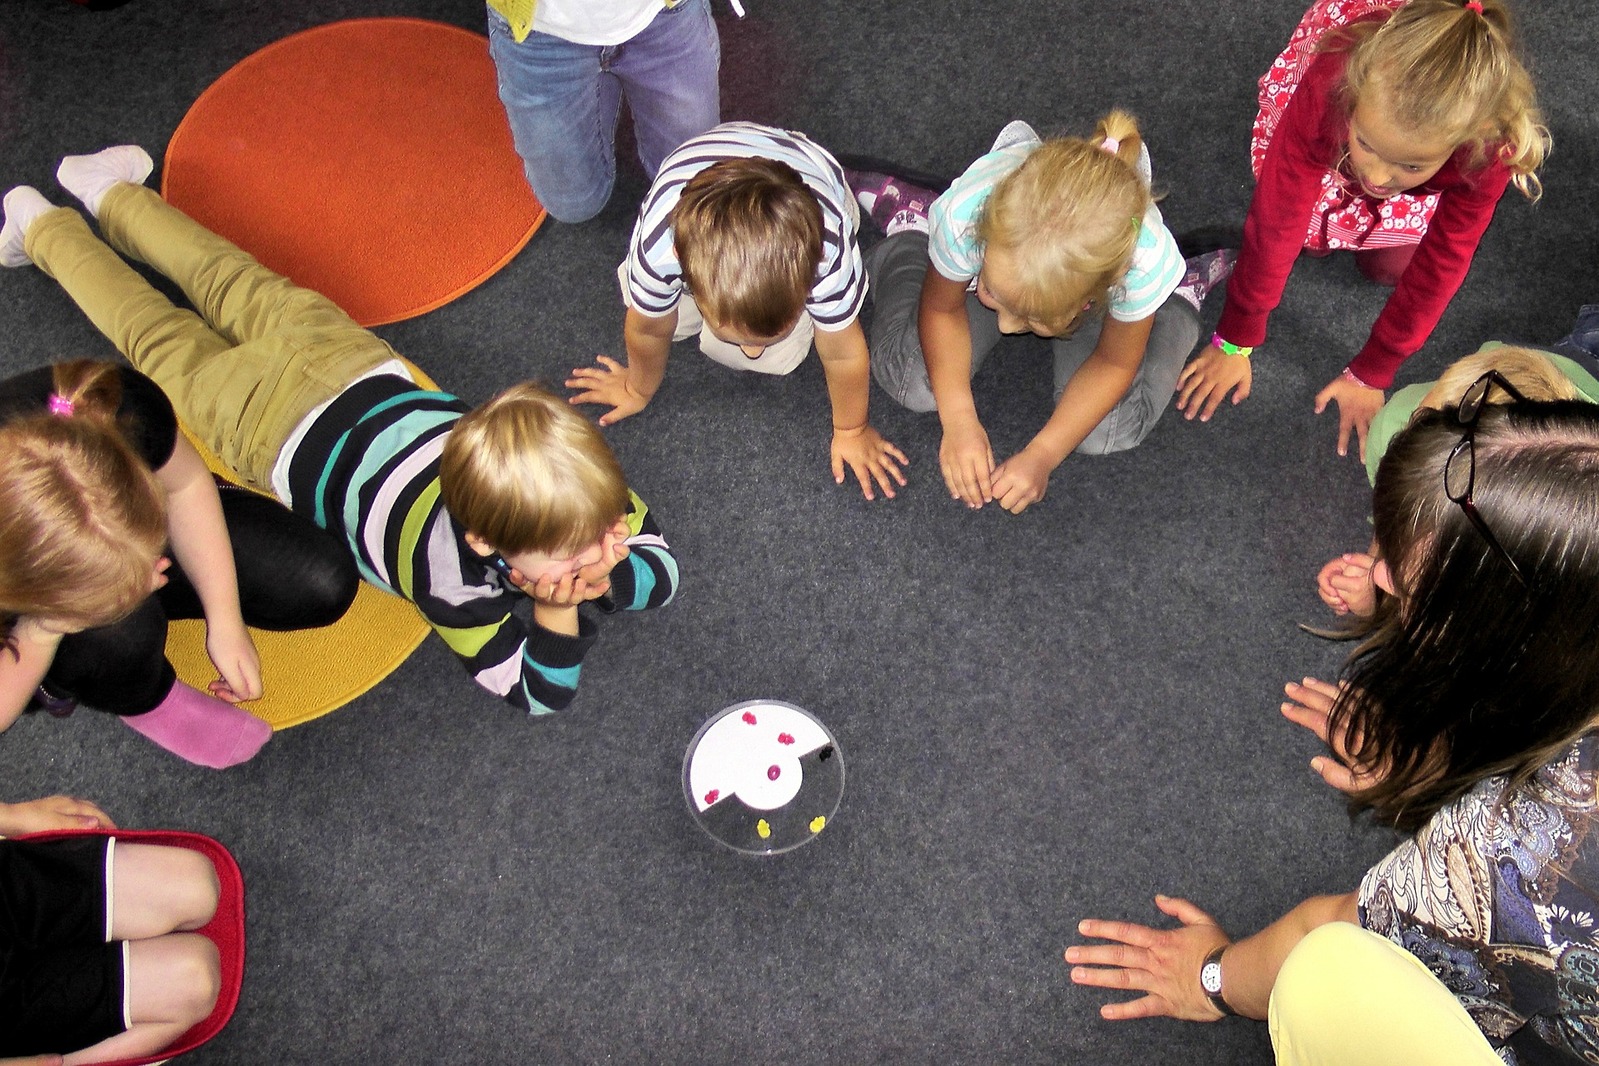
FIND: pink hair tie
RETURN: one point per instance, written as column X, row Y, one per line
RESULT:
column 60, row 406
column 1112, row 145
column 1474, row 5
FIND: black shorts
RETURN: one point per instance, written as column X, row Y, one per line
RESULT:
column 61, row 983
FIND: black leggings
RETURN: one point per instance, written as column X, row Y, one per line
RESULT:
column 292, row 575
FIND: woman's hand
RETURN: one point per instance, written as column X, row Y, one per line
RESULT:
column 1310, row 704
column 1207, row 380
column 869, row 457
column 233, row 653
column 1163, row 964
column 607, row 384
column 1358, row 404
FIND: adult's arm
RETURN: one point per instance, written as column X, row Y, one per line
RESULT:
column 1164, row 964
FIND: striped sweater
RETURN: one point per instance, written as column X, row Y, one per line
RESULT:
column 367, row 470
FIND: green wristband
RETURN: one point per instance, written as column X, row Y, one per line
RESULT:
column 1228, row 347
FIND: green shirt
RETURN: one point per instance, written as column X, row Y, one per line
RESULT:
column 1397, row 412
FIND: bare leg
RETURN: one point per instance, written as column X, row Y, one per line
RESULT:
column 158, row 890
column 173, row 982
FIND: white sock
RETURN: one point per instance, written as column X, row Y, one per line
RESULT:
column 22, row 205
column 90, row 177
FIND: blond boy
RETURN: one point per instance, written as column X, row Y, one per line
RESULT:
column 461, row 511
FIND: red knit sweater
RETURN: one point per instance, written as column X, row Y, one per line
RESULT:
column 1308, row 141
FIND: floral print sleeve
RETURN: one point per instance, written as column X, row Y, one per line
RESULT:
column 1499, row 896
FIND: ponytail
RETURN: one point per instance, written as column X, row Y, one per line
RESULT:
column 1069, row 217
column 1454, row 69
column 82, row 517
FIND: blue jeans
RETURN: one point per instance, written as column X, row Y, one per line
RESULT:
column 563, row 100
column 1583, row 340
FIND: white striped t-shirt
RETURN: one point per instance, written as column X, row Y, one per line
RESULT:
column 654, row 275
column 1157, row 266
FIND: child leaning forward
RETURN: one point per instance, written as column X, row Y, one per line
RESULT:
column 458, row 510
column 1059, row 238
column 748, row 239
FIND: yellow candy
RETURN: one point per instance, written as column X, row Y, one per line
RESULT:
column 818, row 823
column 762, row 829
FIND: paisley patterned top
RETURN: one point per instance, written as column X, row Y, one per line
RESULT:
column 1499, row 896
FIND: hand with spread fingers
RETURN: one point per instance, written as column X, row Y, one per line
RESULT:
column 1310, row 704
column 1163, row 964
column 1358, row 403
column 1206, row 381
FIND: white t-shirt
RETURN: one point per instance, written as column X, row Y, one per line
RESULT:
column 595, row 21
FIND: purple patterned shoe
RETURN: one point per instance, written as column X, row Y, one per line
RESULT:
column 892, row 203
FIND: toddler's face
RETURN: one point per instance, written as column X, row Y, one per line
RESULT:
column 993, row 283
column 539, row 566
column 752, row 345
column 1387, row 159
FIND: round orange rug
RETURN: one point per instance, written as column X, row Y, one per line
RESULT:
column 369, row 160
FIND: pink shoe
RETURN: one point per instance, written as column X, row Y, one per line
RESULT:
column 201, row 728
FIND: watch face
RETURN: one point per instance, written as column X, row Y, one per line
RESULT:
column 1210, row 978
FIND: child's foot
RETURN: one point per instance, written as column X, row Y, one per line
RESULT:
column 90, row 177
column 202, row 728
column 894, row 204
column 1204, row 273
column 22, row 205
column 1014, row 133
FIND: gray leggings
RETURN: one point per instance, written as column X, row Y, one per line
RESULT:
column 897, row 267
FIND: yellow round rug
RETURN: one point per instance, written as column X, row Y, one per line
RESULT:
column 309, row 672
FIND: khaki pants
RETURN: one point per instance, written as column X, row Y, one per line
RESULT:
column 260, row 354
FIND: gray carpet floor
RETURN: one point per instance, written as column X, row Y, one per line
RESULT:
column 1045, row 717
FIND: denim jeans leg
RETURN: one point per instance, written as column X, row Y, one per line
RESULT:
column 1583, row 340
column 562, row 107
column 669, row 75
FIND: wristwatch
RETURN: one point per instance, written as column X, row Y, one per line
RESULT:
column 1210, row 981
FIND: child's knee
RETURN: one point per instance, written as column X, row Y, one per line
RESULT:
column 192, row 887
column 196, row 975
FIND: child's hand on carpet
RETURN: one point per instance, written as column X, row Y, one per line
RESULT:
column 607, row 384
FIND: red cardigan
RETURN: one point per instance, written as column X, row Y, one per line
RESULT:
column 1308, row 141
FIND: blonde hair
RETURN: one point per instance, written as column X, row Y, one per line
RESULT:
column 528, row 473
column 1069, row 218
column 748, row 235
column 1443, row 68
column 82, row 517
column 1532, row 372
